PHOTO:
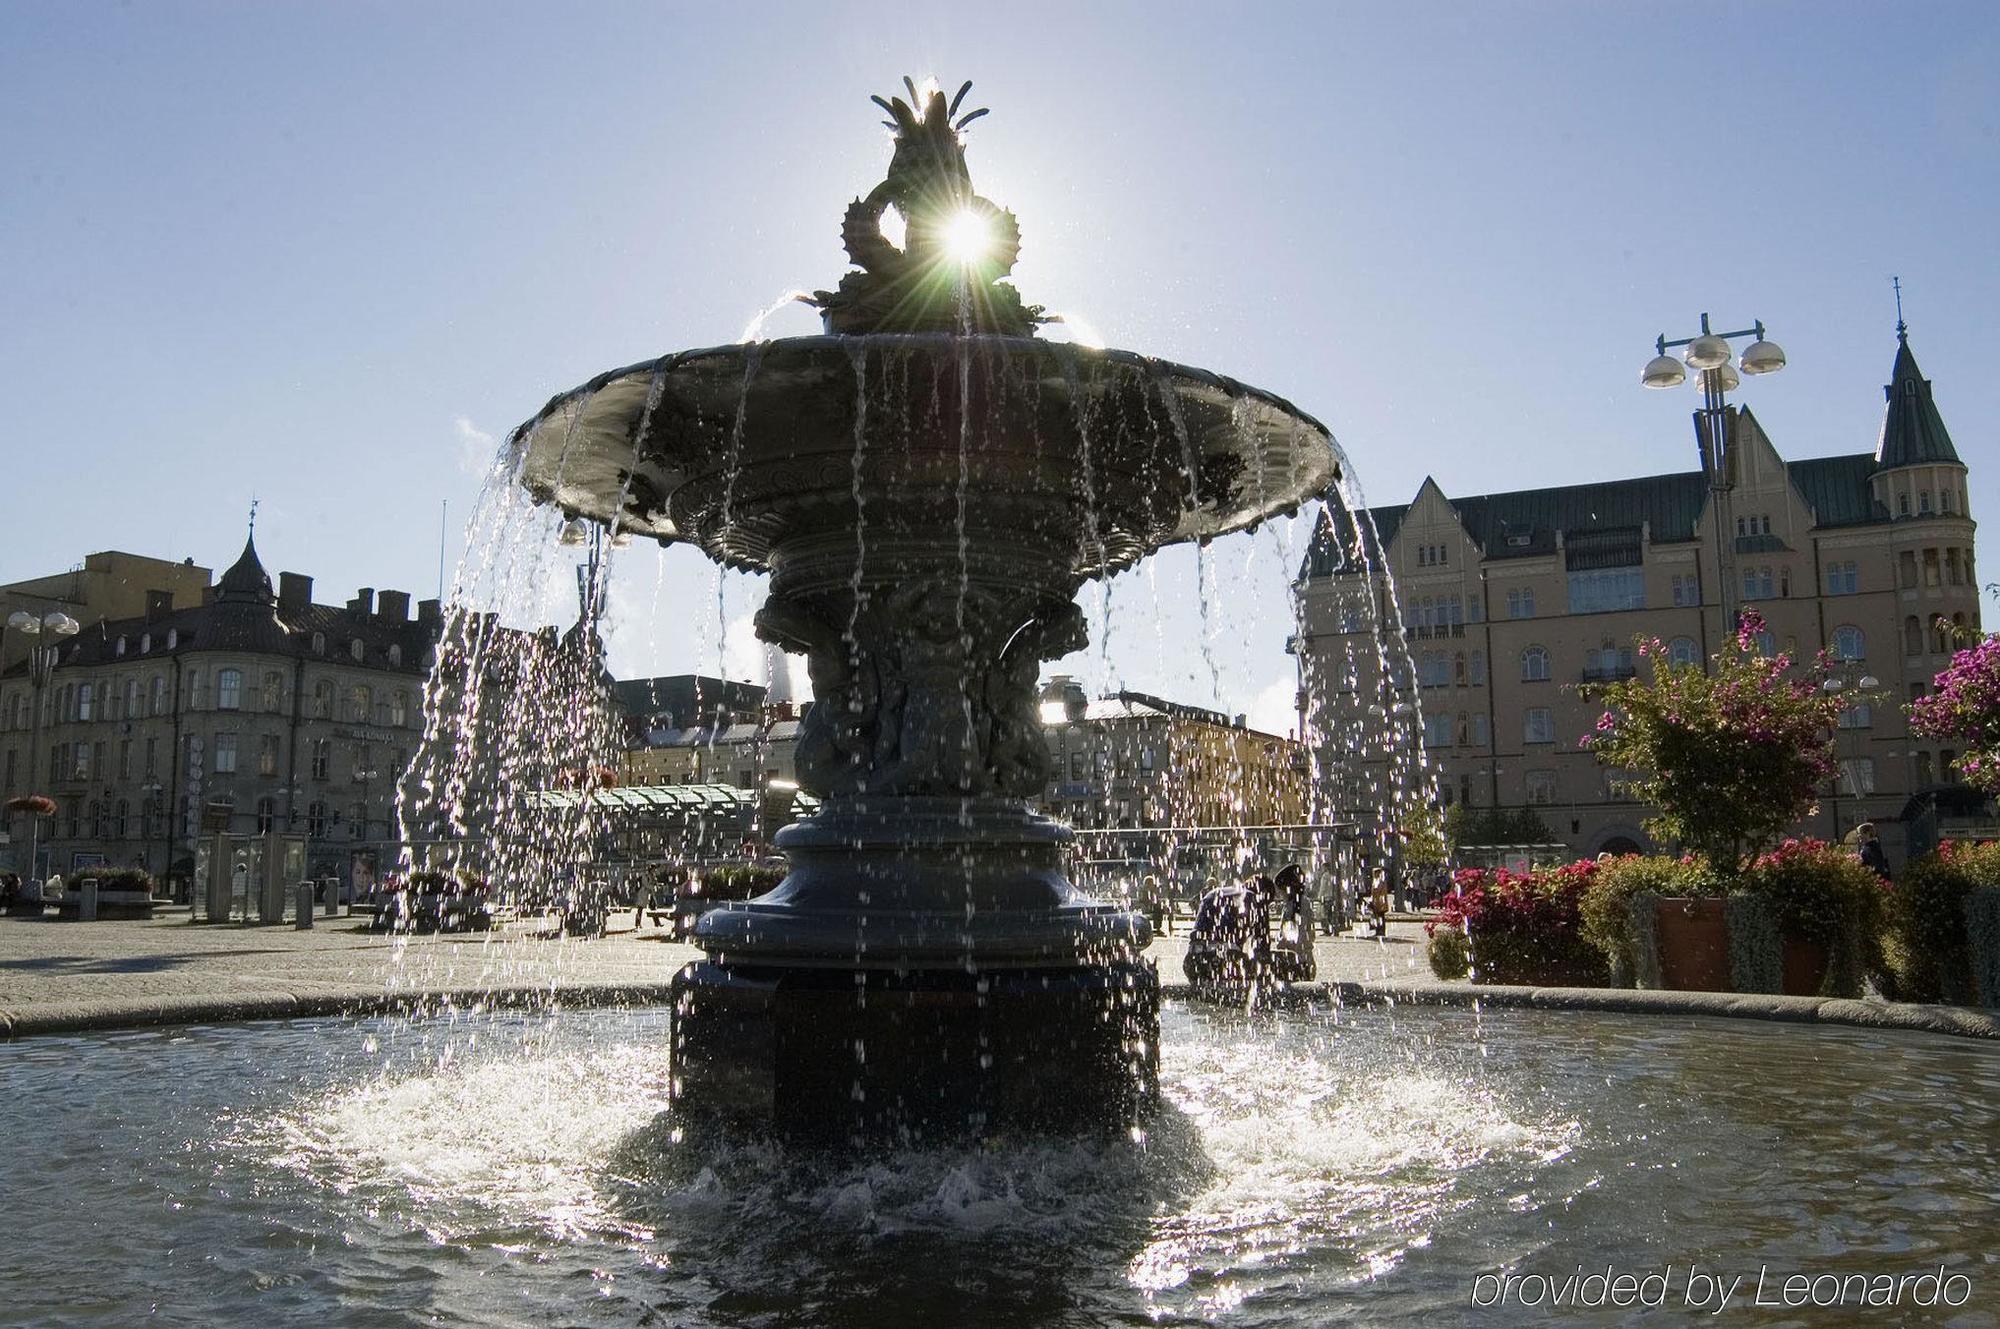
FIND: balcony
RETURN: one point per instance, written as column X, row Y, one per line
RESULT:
column 1609, row 673
column 1439, row 631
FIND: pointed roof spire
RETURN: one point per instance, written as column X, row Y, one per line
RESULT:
column 1913, row 433
column 246, row 579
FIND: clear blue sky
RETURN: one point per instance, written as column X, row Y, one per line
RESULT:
column 305, row 251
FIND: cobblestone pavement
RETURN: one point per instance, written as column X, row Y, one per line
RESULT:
column 46, row 961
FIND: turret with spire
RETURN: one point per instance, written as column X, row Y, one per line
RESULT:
column 1917, row 470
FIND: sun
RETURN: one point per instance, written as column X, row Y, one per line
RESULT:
column 968, row 237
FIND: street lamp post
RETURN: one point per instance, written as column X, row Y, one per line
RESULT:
column 49, row 630
column 1862, row 687
column 1707, row 353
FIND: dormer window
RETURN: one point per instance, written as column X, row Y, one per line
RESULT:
column 319, row 643
column 145, row 642
column 173, row 638
column 121, row 646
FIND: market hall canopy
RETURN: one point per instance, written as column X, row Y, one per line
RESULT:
column 670, row 800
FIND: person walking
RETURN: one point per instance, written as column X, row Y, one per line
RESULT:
column 1870, row 850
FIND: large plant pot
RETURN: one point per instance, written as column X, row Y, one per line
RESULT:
column 1805, row 964
column 1694, row 944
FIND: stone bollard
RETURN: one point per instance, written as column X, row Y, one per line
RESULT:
column 86, row 903
column 304, row 921
column 332, row 897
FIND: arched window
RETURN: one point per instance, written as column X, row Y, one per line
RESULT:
column 1924, row 501
column 1913, row 635
column 360, row 704
column 1683, row 651
column 159, row 702
column 1849, row 644
column 173, row 638
column 228, row 689
column 1941, row 635
column 319, row 643
column 145, row 642
column 122, row 820
column 121, row 644
column 322, row 700
column 1534, row 665
column 195, row 681
column 132, row 698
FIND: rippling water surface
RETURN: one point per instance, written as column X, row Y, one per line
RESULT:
column 1309, row 1168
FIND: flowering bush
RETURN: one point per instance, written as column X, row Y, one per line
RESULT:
column 1965, row 707
column 35, row 805
column 1926, row 946
column 1823, row 894
column 1730, row 757
column 1523, row 928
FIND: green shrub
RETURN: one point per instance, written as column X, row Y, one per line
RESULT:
column 119, row 879
column 1450, row 954
column 1925, row 946
column 1607, row 902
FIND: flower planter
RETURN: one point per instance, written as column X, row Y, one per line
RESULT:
column 1693, row 944
column 1805, row 965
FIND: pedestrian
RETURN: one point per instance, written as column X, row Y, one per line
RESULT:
column 1871, row 852
column 642, row 899
column 1378, row 905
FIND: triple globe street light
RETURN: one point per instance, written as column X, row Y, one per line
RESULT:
column 1708, row 354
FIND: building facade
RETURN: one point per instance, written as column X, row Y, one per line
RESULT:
column 1495, row 608
column 1133, row 761
column 110, row 584
column 249, row 710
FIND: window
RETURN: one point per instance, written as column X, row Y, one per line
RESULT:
column 1538, row 725
column 267, row 814
column 132, row 698
column 121, row 819
column 1906, row 568
column 1609, row 662
column 152, row 757
column 1541, row 786
column 1458, row 672
column 1857, row 716
column 1606, row 590
column 1479, row 735
column 225, row 754
column 1437, row 731
column 159, row 702
column 1849, row 644
column 1902, row 505
column 124, row 758
column 1433, row 669
column 1478, row 668
column 1618, row 784
column 272, row 695
column 360, row 703
column 1535, row 665
column 229, row 689
column 1932, row 577
column 1767, row 645
column 1683, row 651
column 322, row 708
column 173, row 638
column 145, row 642
column 267, row 754
column 1521, row 602
column 319, row 643
column 1759, row 583
column 1843, row 578
column 195, row 681
column 1941, row 635
column 1350, row 619
column 1857, row 775
column 322, row 755
column 84, row 707
column 1913, row 635
column 316, row 820
column 1924, row 501
column 399, row 709
column 357, row 816
column 1687, row 589
column 357, row 650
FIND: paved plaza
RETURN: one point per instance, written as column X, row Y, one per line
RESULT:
column 52, row 971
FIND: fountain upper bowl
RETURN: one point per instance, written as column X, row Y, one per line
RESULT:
column 739, row 448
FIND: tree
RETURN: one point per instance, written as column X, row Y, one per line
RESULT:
column 1964, row 706
column 1730, row 756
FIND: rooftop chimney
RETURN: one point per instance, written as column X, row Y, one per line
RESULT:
column 295, row 592
column 394, row 606
column 363, row 602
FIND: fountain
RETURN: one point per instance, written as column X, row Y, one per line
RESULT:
column 928, row 485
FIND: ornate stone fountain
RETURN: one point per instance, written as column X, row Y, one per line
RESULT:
column 928, row 486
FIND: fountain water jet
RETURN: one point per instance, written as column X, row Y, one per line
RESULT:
column 926, row 968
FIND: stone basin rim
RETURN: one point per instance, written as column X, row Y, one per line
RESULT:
column 923, row 340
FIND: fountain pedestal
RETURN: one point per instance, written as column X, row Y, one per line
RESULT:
column 925, row 971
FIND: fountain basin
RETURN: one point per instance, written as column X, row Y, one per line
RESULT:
column 1361, row 1167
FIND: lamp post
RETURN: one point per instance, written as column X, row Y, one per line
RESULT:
column 1862, row 686
column 49, row 630
column 1707, row 353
